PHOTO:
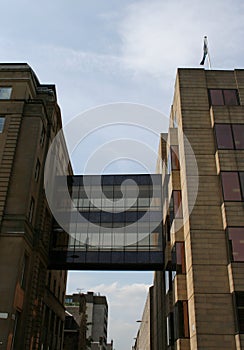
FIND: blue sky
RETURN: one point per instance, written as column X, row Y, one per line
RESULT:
column 99, row 52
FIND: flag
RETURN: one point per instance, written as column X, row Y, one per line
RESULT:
column 205, row 50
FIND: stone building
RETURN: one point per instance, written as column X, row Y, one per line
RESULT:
column 31, row 302
column 203, row 213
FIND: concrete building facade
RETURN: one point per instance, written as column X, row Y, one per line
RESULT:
column 143, row 339
column 31, row 302
column 203, row 213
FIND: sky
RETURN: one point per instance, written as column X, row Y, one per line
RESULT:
column 100, row 52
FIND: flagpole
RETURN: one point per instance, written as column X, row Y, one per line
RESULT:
column 208, row 56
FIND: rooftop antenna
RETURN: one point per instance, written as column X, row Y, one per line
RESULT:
column 206, row 53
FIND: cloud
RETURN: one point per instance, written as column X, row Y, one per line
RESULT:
column 125, row 298
column 158, row 36
column 125, row 307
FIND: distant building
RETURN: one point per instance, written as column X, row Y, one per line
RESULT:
column 31, row 297
column 90, row 311
column 144, row 339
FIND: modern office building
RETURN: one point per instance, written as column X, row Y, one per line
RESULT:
column 31, row 296
column 203, row 212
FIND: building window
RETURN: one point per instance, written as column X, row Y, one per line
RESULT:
column 2, row 121
column 239, row 302
column 229, row 136
column 231, row 186
column 223, row 97
column 178, row 257
column 224, row 136
column 54, row 287
column 31, row 211
column 37, row 170
column 170, row 329
column 175, row 164
column 181, row 322
column 236, row 242
column 167, row 281
column 42, row 138
column 49, row 280
column 24, row 271
column 175, row 207
column 15, row 331
column 238, row 133
column 177, row 204
column 5, row 93
column 169, row 165
column 167, row 229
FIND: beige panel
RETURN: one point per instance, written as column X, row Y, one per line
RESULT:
column 215, row 310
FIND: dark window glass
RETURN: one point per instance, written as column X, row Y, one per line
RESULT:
column 177, row 204
column 239, row 298
column 181, row 322
column 238, row 132
column 220, row 97
column 54, row 286
column 42, row 138
column 224, row 136
column 178, row 257
column 2, row 121
column 175, row 157
column 167, row 229
column 241, row 174
column 216, row 96
column 231, row 186
column 236, row 237
column 230, row 97
column 16, row 330
column 170, row 329
column 37, row 170
column 24, row 271
column 31, row 211
column 49, row 280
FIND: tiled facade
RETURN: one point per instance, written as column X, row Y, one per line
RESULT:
column 203, row 212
